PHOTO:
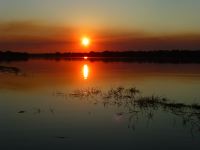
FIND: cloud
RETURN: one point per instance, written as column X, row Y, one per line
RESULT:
column 38, row 37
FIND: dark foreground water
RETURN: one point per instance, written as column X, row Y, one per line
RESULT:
column 48, row 104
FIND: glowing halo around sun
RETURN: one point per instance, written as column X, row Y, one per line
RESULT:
column 85, row 41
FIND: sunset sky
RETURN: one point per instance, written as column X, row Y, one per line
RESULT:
column 59, row 25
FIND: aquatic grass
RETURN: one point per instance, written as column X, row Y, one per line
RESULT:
column 134, row 103
column 12, row 70
column 89, row 92
column 131, row 96
column 195, row 106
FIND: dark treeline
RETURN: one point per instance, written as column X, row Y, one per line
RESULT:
column 157, row 56
column 13, row 56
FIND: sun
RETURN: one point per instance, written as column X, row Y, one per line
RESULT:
column 85, row 41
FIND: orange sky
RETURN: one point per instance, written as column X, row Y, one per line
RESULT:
column 35, row 37
column 49, row 25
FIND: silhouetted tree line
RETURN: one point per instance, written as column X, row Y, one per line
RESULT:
column 13, row 56
column 157, row 56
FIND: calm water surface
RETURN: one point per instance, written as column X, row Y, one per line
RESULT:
column 38, row 112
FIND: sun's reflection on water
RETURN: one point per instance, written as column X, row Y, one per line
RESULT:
column 85, row 71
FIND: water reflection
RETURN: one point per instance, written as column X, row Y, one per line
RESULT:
column 85, row 71
column 44, row 99
column 85, row 58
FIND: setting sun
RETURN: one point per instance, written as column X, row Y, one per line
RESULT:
column 85, row 41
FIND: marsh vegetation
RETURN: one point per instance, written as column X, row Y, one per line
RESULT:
column 12, row 70
column 134, row 104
